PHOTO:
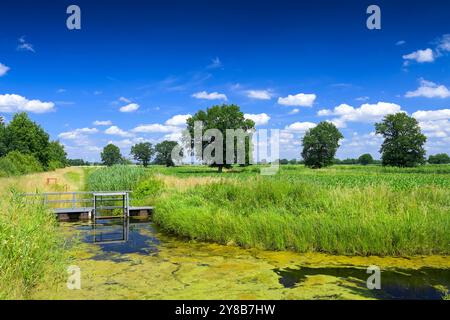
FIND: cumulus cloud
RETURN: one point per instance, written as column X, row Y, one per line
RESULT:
column 3, row 69
column 259, row 119
column 116, row 131
column 365, row 113
column 178, row 120
column 420, row 56
column 14, row 103
column 129, row 107
column 77, row 134
column 259, row 94
column 300, row 126
column 432, row 114
column 102, row 123
column 155, row 128
column 210, row 96
column 429, row 89
column 298, row 100
column 435, row 123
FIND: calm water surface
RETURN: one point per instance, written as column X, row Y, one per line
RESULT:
column 133, row 260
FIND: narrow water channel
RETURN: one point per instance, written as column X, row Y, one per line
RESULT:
column 134, row 260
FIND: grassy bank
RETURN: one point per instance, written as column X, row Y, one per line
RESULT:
column 31, row 251
column 272, row 214
column 352, row 210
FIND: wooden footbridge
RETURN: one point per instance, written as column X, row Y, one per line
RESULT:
column 90, row 205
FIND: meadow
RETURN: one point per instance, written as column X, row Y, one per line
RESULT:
column 351, row 210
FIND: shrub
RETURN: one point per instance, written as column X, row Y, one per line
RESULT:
column 149, row 187
column 17, row 163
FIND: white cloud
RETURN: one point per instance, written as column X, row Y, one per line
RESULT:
column 436, row 128
column 300, row 126
column 210, row 96
column 429, row 89
column 3, row 69
column 15, row 103
column 102, row 123
column 129, row 107
column 365, row 98
column 155, row 128
column 294, row 111
column 259, row 119
column 116, row 131
column 432, row 114
column 421, row 56
column 178, row 120
column 24, row 45
column 400, row 43
column 123, row 99
column 435, row 123
column 298, row 100
column 365, row 113
column 77, row 134
column 444, row 43
column 259, row 94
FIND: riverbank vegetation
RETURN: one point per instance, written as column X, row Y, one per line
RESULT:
column 352, row 210
column 26, row 148
column 31, row 251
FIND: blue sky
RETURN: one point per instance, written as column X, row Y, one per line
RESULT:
column 137, row 68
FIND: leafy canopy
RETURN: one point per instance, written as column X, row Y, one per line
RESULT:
column 143, row 152
column 320, row 145
column 365, row 159
column 164, row 153
column 440, row 158
column 111, row 155
column 222, row 117
column 403, row 144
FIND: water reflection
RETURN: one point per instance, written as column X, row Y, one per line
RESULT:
column 423, row 284
column 120, row 236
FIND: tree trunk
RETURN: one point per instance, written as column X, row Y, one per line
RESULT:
column 220, row 169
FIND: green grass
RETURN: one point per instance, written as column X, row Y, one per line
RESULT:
column 273, row 214
column 352, row 210
column 31, row 250
column 116, row 178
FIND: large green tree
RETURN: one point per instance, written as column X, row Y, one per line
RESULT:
column 440, row 158
column 27, row 137
column 143, row 152
column 111, row 155
column 164, row 153
column 57, row 155
column 403, row 144
column 365, row 159
column 320, row 145
column 222, row 117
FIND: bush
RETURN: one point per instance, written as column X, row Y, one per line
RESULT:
column 54, row 164
column 17, row 163
column 150, row 187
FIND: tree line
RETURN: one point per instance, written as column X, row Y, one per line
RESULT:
column 144, row 153
column 25, row 147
